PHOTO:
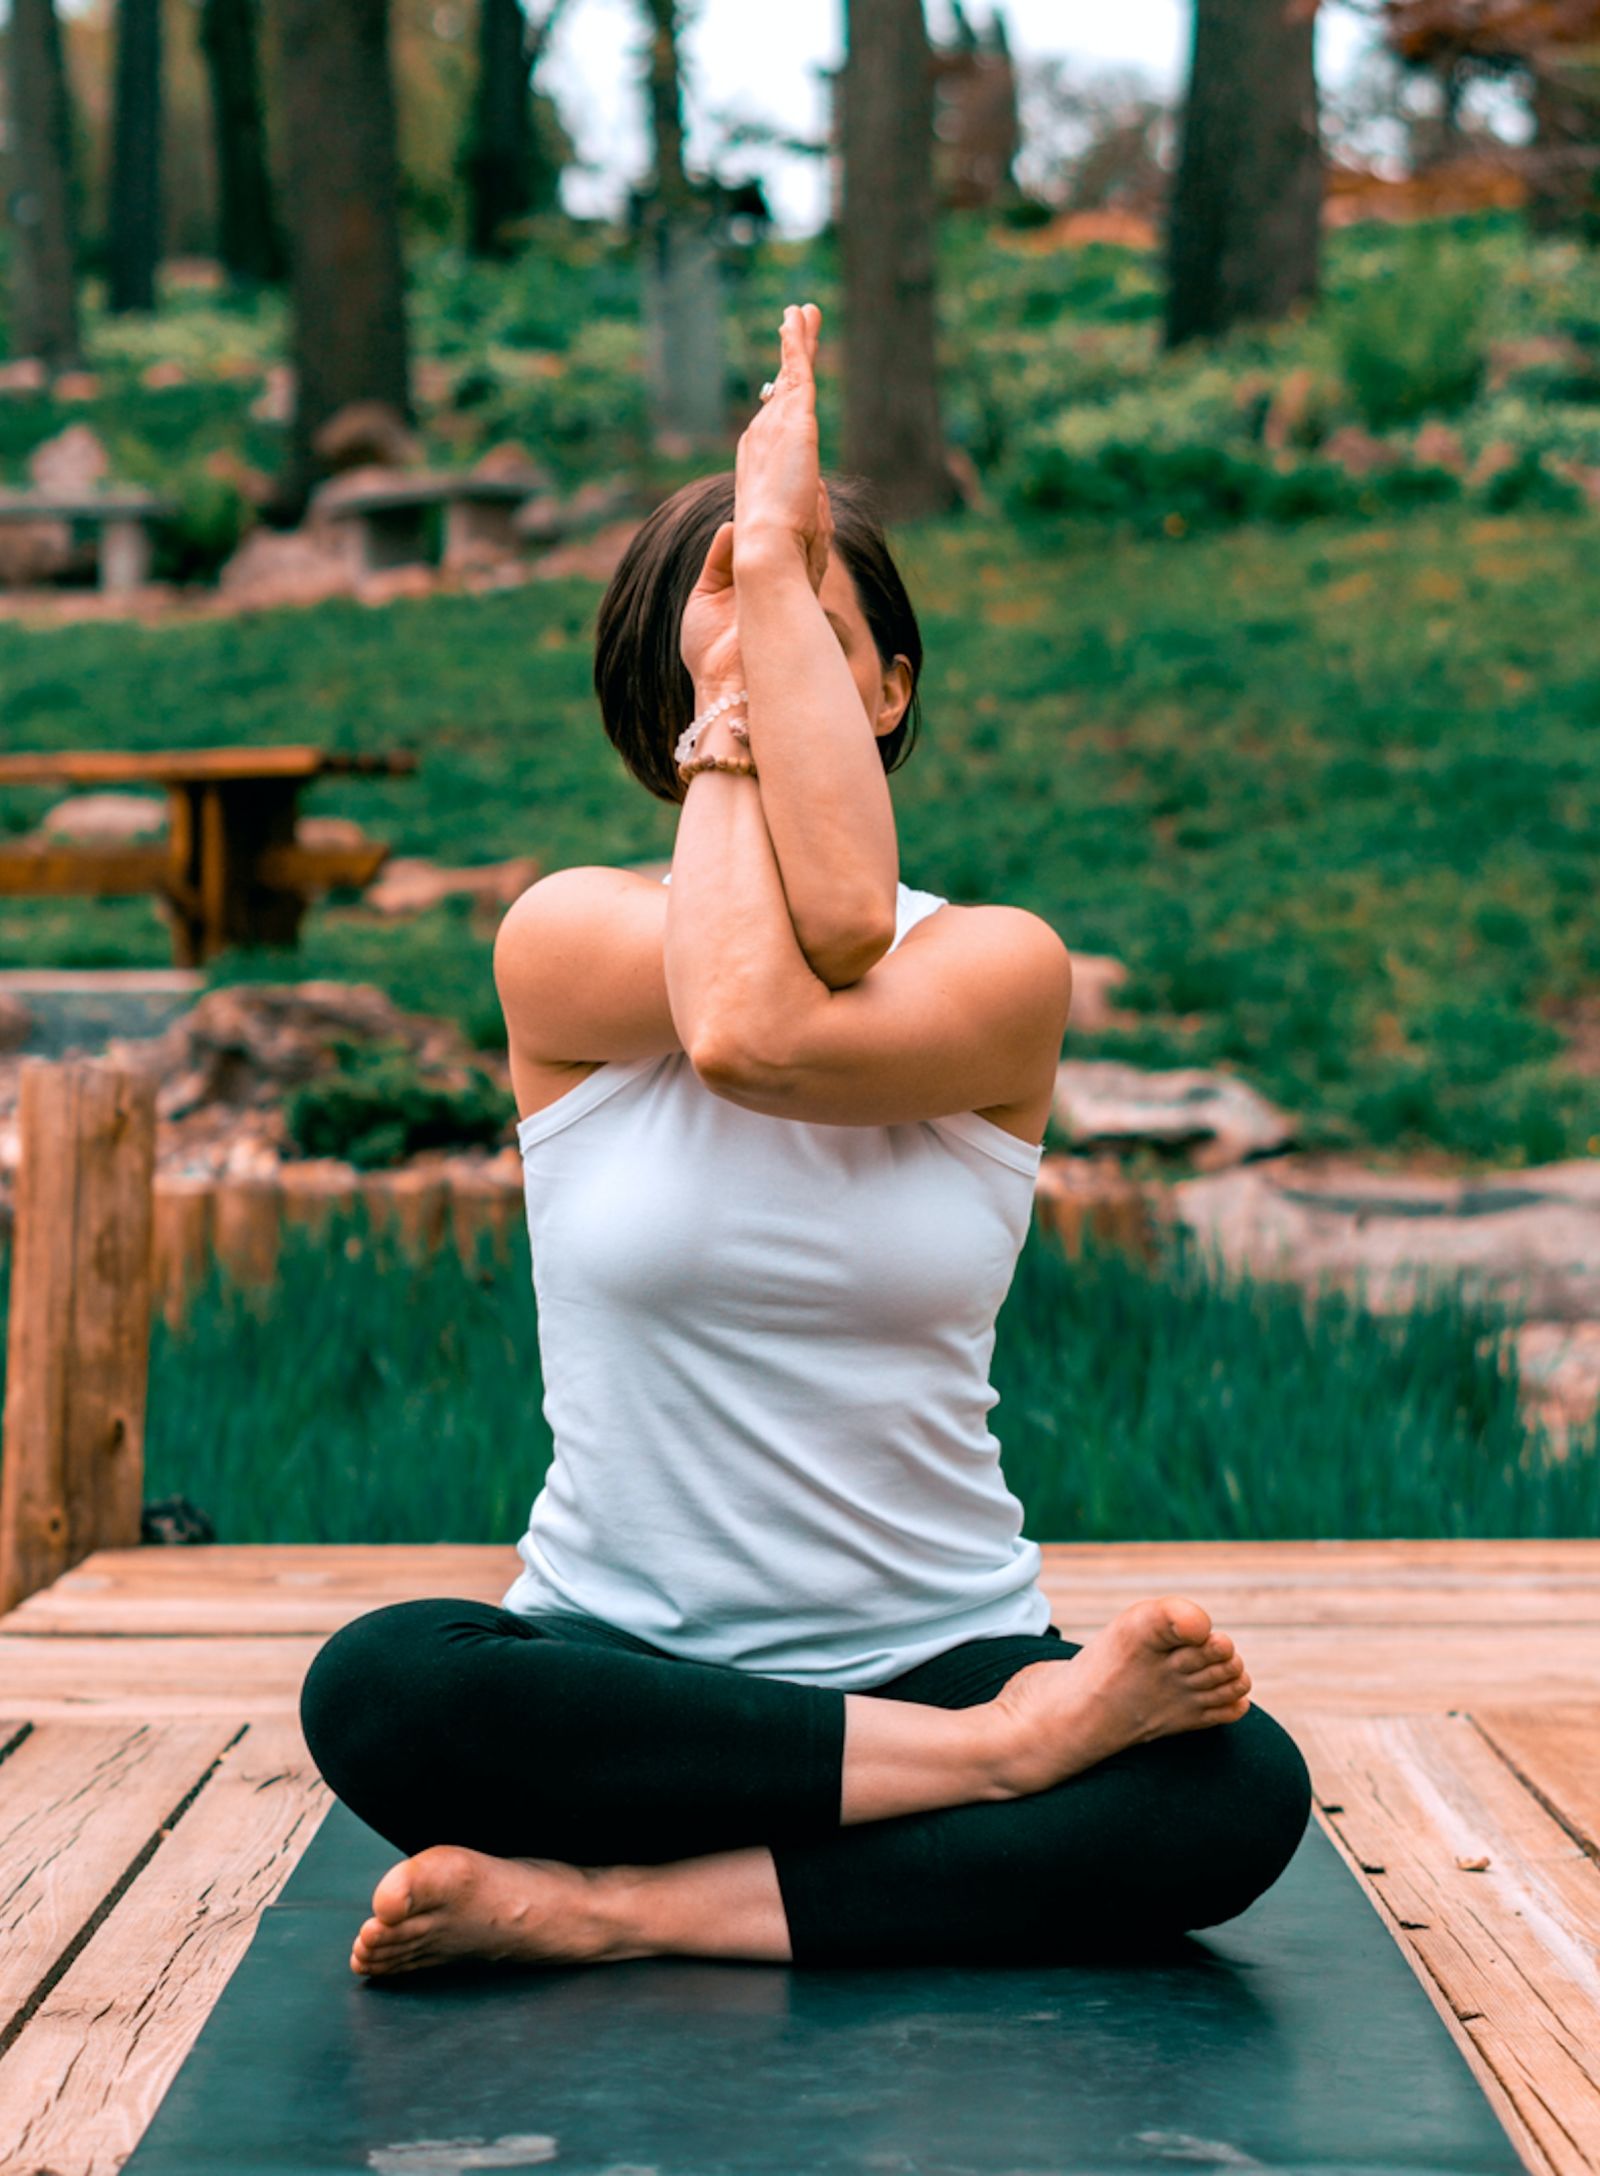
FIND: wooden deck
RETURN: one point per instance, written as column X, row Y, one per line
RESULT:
column 155, row 1791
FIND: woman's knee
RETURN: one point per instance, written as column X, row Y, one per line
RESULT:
column 1255, row 1818
column 370, row 1686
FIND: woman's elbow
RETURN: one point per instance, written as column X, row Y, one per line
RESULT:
column 841, row 956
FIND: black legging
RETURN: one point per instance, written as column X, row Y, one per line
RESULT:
column 445, row 1721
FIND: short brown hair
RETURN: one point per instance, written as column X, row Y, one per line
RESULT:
column 645, row 689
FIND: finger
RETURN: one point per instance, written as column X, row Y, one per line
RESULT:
column 795, row 372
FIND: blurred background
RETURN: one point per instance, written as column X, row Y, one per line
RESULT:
column 1230, row 372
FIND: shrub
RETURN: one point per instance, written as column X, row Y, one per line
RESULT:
column 378, row 1108
column 1410, row 340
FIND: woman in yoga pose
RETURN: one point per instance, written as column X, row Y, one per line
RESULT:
column 777, row 1680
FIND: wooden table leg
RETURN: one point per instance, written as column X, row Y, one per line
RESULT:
column 181, row 889
column 215, row 871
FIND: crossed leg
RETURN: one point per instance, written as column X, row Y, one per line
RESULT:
column 988, row 1805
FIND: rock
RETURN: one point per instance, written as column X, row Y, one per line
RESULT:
column 275, row 402
column 410, row 884
column 541, row 519
column 592, row 558
column 432, row 380
column 27, row 374
column 398, row 585
column 233, row 1056
column 1211, row 1117
column 1559, row 1367
column 72, row 462
column 286, row 566
column 1358, row 453
column 172, row 1520
column 364, row 433
column 1095, row 975
column 253, row 485
column 76, row 385
column 1437, row 446
column 16, row 1022
column 513, row 464
column 164, row 377
column 106, row 819
column 32, row 552
column 1494, row 460
column 1075, row 1196
column 1530, row 1239
column 330, row 831
column 1293, row 415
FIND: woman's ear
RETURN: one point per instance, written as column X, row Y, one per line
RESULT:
column 896, row 697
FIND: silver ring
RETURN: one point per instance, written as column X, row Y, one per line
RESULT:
column 769, row 389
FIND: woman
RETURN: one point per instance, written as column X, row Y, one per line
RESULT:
column 777, row 1680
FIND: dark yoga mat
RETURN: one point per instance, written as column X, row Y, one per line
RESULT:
column 1294, row 2038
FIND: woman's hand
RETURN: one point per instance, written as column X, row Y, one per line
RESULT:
column 708, row 637
column 779, row 495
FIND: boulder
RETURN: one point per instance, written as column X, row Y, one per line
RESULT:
column 365, row 433
column 330, row 831
column 1081, row 1196
column 509, row 463
column 411, row 884
column 27, row 374
column 16, row 1022
column 242, row 1047
column 286, row 566
column 164, row 377
column 1437, row 446
column 76, row 385
column 1358, row 453
column 1528, row 1239
column 106, row 819
column 71, row 463
column 275, row 402
column 33, row 552
column 1095, row 977
column 1211, row 1118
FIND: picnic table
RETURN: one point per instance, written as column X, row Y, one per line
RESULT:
column 122, row 516
column 230, row 869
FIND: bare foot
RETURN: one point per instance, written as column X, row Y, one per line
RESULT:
column 447, row 1903
column 1155, row 1669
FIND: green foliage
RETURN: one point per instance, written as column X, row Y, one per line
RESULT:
column 378, row 1107
column 1411, row 340
column 370, row 1397
column 1332, row 792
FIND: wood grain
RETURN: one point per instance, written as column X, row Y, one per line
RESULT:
column 78, row 1804
column 91, row 2067
column 1511, row 1946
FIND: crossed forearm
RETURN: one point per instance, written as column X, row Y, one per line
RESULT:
column 822, row 784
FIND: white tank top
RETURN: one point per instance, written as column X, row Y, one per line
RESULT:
column 766, row 1348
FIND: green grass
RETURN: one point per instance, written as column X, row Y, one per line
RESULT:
column 1333, row 793
column 370, row 1398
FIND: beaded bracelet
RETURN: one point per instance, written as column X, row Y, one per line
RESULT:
column 686, row 771
column 689, row 738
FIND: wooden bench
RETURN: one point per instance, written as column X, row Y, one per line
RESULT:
column 389, row 521
column 230, row 869
column 122, row 519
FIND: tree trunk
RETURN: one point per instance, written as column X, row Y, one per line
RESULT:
column 248, row 240
column 44, row 290
column 500, row 146
column 1245, row 222
column 134, row 238
column 887, row 239
column 681, row 270
column 341, row 173
column 1564, row 164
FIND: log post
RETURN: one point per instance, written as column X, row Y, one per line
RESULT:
column 78, row 1340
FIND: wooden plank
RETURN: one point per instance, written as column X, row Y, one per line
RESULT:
column 79, row 1803
column 316, row 868
column 1494, row 1899
column 1555, row 1753
column 48, row 867
column 79, row 1330
column 1352, row 1672
column 91, row 2066
column 110, row 766
column 240, row 1588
